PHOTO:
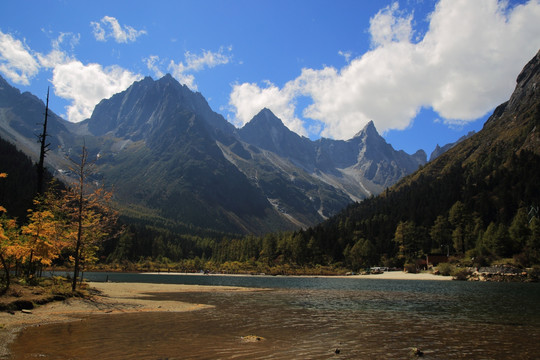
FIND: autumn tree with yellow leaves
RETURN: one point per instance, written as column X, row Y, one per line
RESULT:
column 73, row 222
column 90, row 216
column 10, row 247
column 43, row 237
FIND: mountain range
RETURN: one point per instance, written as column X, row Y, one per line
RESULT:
column 172, row 160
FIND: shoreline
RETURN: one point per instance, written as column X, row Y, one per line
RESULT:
column 111, row 298
column 387, row 275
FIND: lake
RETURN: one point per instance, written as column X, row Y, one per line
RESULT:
column 307, row 318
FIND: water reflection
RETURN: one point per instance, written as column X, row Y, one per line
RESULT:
column 364, row 320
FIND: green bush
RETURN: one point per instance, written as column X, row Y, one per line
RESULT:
column 461, row 274
column 410, row 268
column 445, row 269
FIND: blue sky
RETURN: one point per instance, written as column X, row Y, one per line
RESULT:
column 426, row 72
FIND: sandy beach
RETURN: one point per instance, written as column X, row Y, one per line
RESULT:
column 400, row 275
column 389, row 275
column 113, row 298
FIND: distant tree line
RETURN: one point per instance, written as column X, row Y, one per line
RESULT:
column 478, row 212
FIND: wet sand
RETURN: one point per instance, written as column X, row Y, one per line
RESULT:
column 113, row 298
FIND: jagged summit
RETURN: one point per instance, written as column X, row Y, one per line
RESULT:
column 368, row 130
column 268, row 132
column 265, row 118
column 149, row 106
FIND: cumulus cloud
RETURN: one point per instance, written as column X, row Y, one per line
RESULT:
column 109, row 27
column 183, row 71
column 57, row 55
column 463, row 66
column 278, row 101
column 87, row 85
column 389, row 25
column 17, row 62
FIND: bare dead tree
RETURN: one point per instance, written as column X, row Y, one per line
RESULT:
column 42, row 139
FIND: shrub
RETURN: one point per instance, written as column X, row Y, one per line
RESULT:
column 410, row 268
column 445, row 269
column 461, row 274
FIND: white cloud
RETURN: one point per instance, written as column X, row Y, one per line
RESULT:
column 58, row 56
column 17, row 62
column 152, row 64
column 465, row 65
column 84, row 85
column 254, row 98
column 388, row 25
column 346, row 54
column 194, row 63
column 87, row 85
column 109, row 27
column 208, row 59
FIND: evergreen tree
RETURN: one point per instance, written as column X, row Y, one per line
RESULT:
column 533, row 242
column 406, row 239
column 519, row 230
column 441, row 234
column 361, row 255
column 456, row 216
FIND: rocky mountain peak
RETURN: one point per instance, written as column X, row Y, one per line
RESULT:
column 265, row 120
column 267, row 131
column 148, row 105
column 368, row 130
column 420, row 156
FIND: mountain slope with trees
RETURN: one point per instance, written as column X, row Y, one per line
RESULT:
column 478, row 203
column 479, row 199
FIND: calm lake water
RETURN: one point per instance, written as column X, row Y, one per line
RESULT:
column 307, row 318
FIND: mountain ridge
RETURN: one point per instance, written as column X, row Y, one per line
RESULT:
column 166, row 150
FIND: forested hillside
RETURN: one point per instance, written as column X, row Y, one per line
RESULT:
column 480, row 199
column 20, row 186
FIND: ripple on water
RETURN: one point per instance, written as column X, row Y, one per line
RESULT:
column 455, row 322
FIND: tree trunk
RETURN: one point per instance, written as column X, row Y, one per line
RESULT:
column 78, row 246
column 43, row 150
column 81, row 176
